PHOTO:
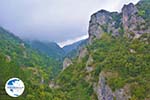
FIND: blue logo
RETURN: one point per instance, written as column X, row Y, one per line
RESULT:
column 14, row 87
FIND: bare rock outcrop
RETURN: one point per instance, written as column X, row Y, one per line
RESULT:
column 89, row 68
column 103, row 22
column 132, row 22
column 8, row 58
column 127, row 23
column 82, row 53
column 104, row 92
column 67, row 62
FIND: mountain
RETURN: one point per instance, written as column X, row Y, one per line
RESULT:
column 111, row 69
column 50, row 49
column 36, row 69
column 73, row 46
column 115, row 65
column 21, row 53
column 132, row 21
column 18, row 59
column 53, row 50
column 72, row 50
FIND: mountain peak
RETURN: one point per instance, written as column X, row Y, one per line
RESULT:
column 130, row 9
column 133, row 19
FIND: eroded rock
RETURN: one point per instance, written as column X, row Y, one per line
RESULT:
column 67, row 62
column 104, row 92
column 83, row 52
column 126, row 22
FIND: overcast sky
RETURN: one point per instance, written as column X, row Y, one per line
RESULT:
column 62, row 21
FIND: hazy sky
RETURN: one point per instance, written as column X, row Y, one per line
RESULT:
column 62, row 21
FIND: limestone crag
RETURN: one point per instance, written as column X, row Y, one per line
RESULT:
column 127, row 22
column 132, row 22
column 66, row 63
column 104, row 92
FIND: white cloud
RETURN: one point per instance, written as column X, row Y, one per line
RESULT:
column 71, row 41
column 52, row 20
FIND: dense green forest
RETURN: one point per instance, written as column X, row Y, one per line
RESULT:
column 127, row 57
column 18, row 59
column 32, row 77
column 23, row 55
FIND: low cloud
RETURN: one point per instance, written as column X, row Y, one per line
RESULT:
column 52, row 20
column 71, row 41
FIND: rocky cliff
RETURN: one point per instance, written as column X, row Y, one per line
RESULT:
column 116, row 64
column 66, row 63
column 130, row 21
column 104, row 92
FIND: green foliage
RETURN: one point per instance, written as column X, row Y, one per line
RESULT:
column 72, row 81
column 31, row 76
column 143, row 7
column 115, row 55
column 22, row 54
column 125, row 60
column 17, row 59
column 141, row 13
column 48, row 48
column 138, row 91
column 119, row 83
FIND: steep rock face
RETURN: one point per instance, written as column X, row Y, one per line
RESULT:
column 82, row 53
column 104, row 92
column 67, row 62
column 90, row 60
column 100, row 18
column 132, row 22
column 128, row 22
column 103, row 21
column 128, row 11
